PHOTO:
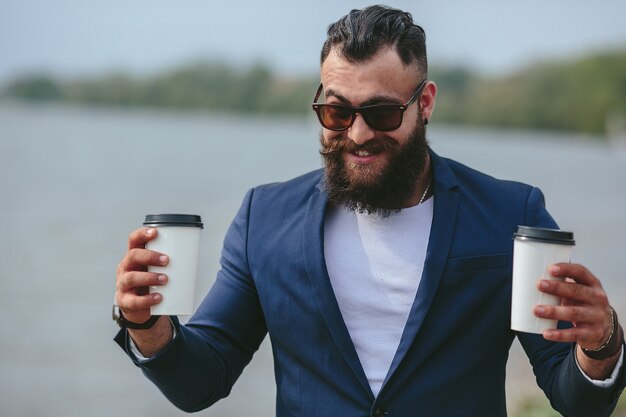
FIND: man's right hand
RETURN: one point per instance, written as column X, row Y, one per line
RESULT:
column 131, row 293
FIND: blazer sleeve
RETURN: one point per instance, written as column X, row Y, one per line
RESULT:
column 202, row 363
column 554, row 364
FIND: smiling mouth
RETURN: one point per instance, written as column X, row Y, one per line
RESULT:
column 360, row 154
column 364, row 156
column 367, row 153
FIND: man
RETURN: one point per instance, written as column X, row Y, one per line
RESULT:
column 383, row 281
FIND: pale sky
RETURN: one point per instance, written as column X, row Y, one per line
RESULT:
column 77, row 37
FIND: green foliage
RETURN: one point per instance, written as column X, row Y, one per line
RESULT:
column 200, row 85
column 453, row 98
column 579, row 95
column 34, row 88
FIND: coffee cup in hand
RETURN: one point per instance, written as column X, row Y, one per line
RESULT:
column 179, row 239
column 535, row 249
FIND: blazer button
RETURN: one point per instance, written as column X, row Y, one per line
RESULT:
column 378, row 413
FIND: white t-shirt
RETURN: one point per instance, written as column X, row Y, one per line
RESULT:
column 375, row 267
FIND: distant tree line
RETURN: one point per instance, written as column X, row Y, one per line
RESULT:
column 200, row 85
column 576, row 95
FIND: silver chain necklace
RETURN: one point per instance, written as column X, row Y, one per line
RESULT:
column 425, row 192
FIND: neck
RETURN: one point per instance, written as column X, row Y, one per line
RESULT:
column 422, row 189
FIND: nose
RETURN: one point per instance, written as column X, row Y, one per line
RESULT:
column 360, row 132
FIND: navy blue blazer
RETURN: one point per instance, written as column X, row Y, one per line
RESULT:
column 452, row 355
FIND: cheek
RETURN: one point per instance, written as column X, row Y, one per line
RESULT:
column 402, row 135
column 399, row 136
column 329, row 136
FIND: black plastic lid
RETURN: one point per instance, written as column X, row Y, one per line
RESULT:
column 180, row 220
column 543, row 234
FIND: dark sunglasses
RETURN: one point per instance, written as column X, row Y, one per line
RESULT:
column 380, row 117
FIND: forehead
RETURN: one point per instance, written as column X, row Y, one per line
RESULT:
column 383, row 75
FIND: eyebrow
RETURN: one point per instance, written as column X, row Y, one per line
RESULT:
column 378, row 99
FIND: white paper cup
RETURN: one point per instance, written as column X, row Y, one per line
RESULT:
column 179, row 239
column 535, row 249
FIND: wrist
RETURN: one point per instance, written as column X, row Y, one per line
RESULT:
column 151, row 342
column 124, row 323
column 613, row 343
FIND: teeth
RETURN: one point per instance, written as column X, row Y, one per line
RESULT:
column 362, row 153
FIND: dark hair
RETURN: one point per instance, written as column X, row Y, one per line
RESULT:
column 361, row 34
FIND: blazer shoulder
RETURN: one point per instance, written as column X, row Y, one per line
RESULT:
column 500, row 198
column 479, row 183
column 308, row 180
column 294, row 192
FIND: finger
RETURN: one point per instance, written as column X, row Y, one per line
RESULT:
column 134, row 279
column 136, row 258
column 577, row 272
column 139, row 237
column 573, row 334
column 131, row 304
column 579, row 315
column 589, row 337
column 573, row 291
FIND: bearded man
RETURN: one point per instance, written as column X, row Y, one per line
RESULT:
column 383, row 280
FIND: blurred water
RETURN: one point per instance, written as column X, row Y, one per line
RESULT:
column 75, row 181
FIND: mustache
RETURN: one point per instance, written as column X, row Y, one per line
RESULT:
column 340, row 145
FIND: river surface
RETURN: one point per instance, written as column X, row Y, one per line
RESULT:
column 75, row 181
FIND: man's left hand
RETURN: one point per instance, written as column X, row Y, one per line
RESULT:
column 586, row 305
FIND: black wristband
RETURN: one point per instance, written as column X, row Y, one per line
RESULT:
column 612, row 345
column 119, row 318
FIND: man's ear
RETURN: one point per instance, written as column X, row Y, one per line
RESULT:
column 427, row 100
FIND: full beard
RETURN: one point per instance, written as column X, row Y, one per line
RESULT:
column 361, row 189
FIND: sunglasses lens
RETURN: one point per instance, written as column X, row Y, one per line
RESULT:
column 383, row 118
column 335, row 117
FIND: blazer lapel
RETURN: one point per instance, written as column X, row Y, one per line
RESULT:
column 320, row 282
column 440, row 240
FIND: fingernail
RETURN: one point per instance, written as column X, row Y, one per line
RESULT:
column 156, row 297
column 544, row 285
column 163, row 259
column 549, row 333
column 149, row 232
column 555, row 269
column 162, row 278
column 540, row 310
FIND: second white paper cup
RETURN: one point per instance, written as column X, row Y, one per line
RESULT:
column 179, row 239
column 535, row 250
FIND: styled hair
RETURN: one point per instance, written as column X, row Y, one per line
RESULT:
column 361, row 34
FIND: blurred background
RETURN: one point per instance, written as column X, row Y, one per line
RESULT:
column 113, row 110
